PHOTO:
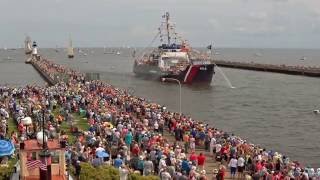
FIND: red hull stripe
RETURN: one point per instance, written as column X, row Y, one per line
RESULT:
column 192, row 73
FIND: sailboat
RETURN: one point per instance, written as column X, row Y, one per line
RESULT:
column 27, row 45
column 303, row 58
column 70, row 50
column 56, row 49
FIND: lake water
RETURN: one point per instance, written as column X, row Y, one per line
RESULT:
column 269, row 109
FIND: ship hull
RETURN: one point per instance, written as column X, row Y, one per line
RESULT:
column 193, row 74
column 70, row 56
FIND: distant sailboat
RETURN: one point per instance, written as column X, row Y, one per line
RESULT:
column 258, row 54
column 27, row 45
column 303, row 58
column 107, row 52
column 70, row 50
column 56, row 49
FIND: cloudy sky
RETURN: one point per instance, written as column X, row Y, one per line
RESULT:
column 98, row 23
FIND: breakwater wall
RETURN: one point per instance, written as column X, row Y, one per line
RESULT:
column 284, row 69
column 44, row 75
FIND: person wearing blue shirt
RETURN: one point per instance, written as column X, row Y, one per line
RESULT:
column 118, row 162
column 185, row 166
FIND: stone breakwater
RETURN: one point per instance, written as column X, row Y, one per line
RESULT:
column 284, row 69
column 139, row 119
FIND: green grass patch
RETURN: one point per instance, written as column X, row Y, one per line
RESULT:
column 79, row 121
column 12, row 125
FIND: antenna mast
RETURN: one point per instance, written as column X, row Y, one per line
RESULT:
column 168, row 26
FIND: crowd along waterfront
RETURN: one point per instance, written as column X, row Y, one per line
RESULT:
column 136, row 110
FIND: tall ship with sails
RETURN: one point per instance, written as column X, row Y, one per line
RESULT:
column 27, row 45
column 70, row 49
column 174, row 59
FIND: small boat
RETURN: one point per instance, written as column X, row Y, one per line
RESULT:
column 303, row 58
column 56, row 49
column 118, row 53
column 70, row 49
column 258, row 54
column 107, row 52
column 27, row 45
column 28, row 61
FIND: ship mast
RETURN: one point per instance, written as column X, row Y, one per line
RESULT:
column 168, row 27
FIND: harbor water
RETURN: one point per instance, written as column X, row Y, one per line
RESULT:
column 269, row 109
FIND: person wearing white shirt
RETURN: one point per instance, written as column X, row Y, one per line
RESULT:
column 212, row 146
column 240, row 164
column 233, row 164
column 123, row 172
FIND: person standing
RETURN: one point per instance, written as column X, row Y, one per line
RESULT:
column 118, row 161
column 212, row 146
column 128, row 139
column 233, row 167
column 240, row 164
column 123, row 172
column 78, row 170
column 201, row 160
column 148, row 167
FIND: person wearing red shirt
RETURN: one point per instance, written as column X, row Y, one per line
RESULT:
column 201, row 160
column 135, row 150
column 193, row 158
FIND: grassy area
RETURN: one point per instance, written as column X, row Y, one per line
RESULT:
column 12, row 125
column 79, row 121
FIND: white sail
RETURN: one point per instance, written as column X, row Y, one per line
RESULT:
column 27, row 45
column 70, row 49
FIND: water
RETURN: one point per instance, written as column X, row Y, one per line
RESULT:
column 273, row 110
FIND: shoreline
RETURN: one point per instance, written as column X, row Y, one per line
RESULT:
column 216, row 130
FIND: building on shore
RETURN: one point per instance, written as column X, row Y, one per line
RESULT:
column 36, row 163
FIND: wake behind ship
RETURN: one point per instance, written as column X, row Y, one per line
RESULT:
column 175, row 59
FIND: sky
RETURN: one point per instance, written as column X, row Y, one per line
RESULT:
column 98, row 23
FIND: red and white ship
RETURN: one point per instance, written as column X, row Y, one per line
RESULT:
column 174, row 59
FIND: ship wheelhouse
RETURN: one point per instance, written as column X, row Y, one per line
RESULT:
column 173, row 57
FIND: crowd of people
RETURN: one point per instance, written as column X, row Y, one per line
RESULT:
column 138, row 136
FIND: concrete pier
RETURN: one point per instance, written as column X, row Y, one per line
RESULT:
column 44, row 75
column 284, row 69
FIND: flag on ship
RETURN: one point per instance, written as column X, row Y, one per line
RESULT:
column 209, row 47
